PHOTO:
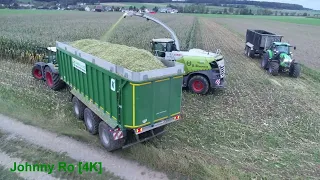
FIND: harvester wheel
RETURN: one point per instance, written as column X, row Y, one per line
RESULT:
column 106, row 137
column 198, row 84
column 91, row 121
column 53, row 79
column 37, row 72
column 295, row 70
column 264, row 61
column 274, row 68
column 78, row 108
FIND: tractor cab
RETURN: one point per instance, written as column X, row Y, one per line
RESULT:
column 51, row 55
column 159, row 47
column 280, row 47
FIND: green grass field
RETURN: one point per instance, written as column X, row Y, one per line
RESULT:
column 290, row 19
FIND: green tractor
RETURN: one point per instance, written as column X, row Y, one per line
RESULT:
column 278, row 58
column 276, row 55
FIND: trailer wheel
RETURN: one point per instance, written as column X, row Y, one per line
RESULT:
column 78, row 108
column 106, row 137
column 37, row 72
column 91, row 121
column 264, row 61
column 274, row 68
column 199, row 84
column 250, row 53
column 295, row 70
column 53, row 79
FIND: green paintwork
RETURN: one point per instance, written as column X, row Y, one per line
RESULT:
column 284, row 56
column 196, row 63
column 127, row 104
column 270, row 54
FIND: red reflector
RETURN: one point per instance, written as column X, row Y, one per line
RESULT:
column 177, row 117
column 139, row 130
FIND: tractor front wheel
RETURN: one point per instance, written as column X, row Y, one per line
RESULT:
column 295, row 70
column 199, row 84
column 274, row 68
column 53, row 79
column 37, row 72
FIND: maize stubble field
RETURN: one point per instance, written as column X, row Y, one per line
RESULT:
column 259, row 126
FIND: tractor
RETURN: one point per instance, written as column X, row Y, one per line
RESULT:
column 276, row 55
column 203, row 70
column 278, row 58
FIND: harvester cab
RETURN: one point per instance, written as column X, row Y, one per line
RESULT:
column 203, row 69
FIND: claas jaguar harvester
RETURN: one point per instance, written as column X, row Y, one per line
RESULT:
column 122, row 106
column 203, row 70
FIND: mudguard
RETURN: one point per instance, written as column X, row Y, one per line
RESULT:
column 53, row 68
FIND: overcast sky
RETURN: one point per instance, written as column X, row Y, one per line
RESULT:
column 313, row 4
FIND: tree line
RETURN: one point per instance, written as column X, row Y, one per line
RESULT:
column 222, row 3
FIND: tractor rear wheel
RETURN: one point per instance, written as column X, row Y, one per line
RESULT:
column 91, row 121
column 199, row 84
column 78, row 108
column 264, row 61
column 37, row 72
column 274, row 68
column 106, row 137
column 53, row 79
column 295, row 70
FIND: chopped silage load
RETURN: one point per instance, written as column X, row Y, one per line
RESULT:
column 130, row 58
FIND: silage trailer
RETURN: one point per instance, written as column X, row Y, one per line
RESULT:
column 122, row 106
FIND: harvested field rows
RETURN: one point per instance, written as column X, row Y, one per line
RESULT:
column 269, row 125
column 305, row 37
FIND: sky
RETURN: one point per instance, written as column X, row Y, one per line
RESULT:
column 313, row 4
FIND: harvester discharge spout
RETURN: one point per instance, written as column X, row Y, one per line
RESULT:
column 172, row 33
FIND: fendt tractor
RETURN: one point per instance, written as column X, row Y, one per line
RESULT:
column 203, row 70
column 276, row 55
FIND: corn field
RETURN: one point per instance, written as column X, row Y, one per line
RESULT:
column 25, row 37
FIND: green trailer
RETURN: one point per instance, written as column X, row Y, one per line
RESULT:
column 122, row 106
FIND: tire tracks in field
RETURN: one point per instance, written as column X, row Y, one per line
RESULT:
column 79, row 151
column 258, row 105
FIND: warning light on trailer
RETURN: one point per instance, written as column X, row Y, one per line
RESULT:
column 177, row 117
column 139, row 130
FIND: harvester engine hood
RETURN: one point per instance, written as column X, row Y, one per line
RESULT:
column 199, row 60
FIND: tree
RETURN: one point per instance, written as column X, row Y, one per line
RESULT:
column 276, row 13
column 305, row 14
column 130, row 8
column 237, row 11
column 225, row 11
column 293, row 13
column 143, row 7
column 231, row 10
column 155, row 9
